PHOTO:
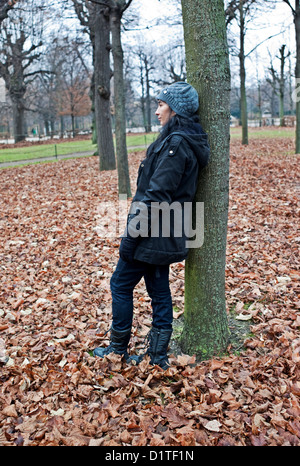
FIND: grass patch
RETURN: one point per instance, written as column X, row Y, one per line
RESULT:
column 141, row 139
column 133, row 140
column 71, row 147
column 45, row 150
column 264, row 132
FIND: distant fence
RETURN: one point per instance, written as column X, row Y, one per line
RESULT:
column 288, row 121
column 44, row 152
column 270, row 121
column 37, row 150
column 7, row 138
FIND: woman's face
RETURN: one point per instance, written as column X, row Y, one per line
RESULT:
column 164, row 113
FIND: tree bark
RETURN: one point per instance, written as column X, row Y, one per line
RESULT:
column 296, row 15
column 145, row 83
column 297, row 70
column 102, row 89
column 119, row 95
column 244, row 112
column 18, row 120
column 87, row 20
column 281, row 80
column 148, row 97
column 143, row 93
column 12, row 70
column 205, row 330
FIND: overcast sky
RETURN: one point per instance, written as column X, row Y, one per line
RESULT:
column 277, row 22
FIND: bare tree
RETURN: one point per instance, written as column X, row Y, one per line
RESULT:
column 102, row 76
column 74, row 84
column 84, row 12
column 153, row 67
column 296, row 15
column 277, row 82
column 282, row 59
column 172, row 64
column 107, row 16
column 239, row 9
column 41, row 94
column 16, row 58
column 243, row 11
column 94, row 17
column 117, row 9
column 244, row 112
column 146, row 66
column 272, row 80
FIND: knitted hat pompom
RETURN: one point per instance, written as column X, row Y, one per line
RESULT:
column 181, row 97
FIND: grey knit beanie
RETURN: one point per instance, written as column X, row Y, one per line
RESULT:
column 181, row 97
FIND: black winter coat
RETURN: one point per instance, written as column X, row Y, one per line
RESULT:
column 168, row 174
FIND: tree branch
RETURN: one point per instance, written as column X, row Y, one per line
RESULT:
column 230, row 12
column 127, row 5
column 5, row 6
column 33, row 73
column 274, row 35
column 289, row 4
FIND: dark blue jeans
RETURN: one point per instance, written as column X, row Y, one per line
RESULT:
column 123, row 281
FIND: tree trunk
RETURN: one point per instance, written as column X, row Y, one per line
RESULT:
column 282, row 84
column 297, row 71
column 73, row 125
column 148, row 97
column 102, row 90
column 259, row 103
column 205, row 330
column 243, row 101
column 46, row 126
column 16, row 87
column 143, row 100
column 119, row 94
column 143, row 105
column 62, row 126
column 273, row 82
column 52, row 126
column 290, row 75
column 92, row 96
column 18, row 120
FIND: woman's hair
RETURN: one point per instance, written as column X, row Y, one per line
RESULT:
column 176, row 123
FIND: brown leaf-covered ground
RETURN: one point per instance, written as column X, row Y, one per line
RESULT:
column 55, row 307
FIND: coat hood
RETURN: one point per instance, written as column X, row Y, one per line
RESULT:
column 198, row 142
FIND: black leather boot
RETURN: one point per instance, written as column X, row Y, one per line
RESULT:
column 158, row 346
column 118, row 344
